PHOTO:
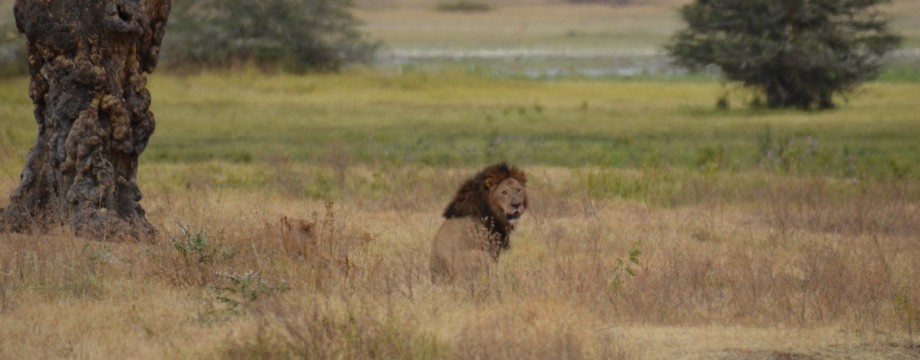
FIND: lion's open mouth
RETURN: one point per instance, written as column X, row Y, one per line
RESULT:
column 513, row 219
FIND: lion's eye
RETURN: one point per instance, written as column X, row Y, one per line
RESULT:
column 504, row 192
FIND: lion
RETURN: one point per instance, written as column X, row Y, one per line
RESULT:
column 478, row 222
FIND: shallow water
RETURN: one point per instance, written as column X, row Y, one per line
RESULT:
column 550, row 63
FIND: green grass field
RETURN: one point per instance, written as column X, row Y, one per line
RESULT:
column 451, row 119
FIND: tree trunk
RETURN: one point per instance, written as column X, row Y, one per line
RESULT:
column 88, row 60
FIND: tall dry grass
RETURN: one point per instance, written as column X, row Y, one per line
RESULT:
column 278, row 274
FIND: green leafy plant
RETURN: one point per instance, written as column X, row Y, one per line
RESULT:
column 624, row 269
column 196, row 247
column 238, row 290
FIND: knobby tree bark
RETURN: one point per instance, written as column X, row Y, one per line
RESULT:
column 88, row 60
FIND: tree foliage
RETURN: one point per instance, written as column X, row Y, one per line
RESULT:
column 799, row 53
column 296, row 35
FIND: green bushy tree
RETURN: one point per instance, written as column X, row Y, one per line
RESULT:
column 296, row 35
column 799, row 53
column 12, row 47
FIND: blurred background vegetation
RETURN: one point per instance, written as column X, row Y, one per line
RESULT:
column 291, row 35
column 12, row 47
column 542, row 39
column 287, row 35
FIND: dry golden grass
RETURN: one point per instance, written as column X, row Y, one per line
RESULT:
column 795, row 268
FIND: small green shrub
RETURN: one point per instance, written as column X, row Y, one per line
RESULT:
column 624, row 267
column 196, row 247
column 464, row 6
column 193, row 257
column 238, row 290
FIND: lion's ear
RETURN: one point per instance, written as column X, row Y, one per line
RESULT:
column 519, row 176
column 490, row 183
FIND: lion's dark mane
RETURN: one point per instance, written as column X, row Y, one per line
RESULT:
column 472, row 200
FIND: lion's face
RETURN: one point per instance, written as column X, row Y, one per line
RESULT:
column 508, row 200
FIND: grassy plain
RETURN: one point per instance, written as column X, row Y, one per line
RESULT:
column 803, row 242
column 761, row 235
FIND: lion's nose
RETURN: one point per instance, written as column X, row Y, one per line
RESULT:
column 516, row 206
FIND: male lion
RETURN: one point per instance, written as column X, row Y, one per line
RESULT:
column 478, row 221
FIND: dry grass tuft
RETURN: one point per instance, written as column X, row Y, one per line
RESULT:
column 317, row 329
column 540, row 329
column 52, row 267
column 333, row 252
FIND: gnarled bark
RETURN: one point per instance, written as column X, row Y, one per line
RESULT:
column 88, row 60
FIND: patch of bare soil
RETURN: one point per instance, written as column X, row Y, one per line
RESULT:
column 866, row 351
